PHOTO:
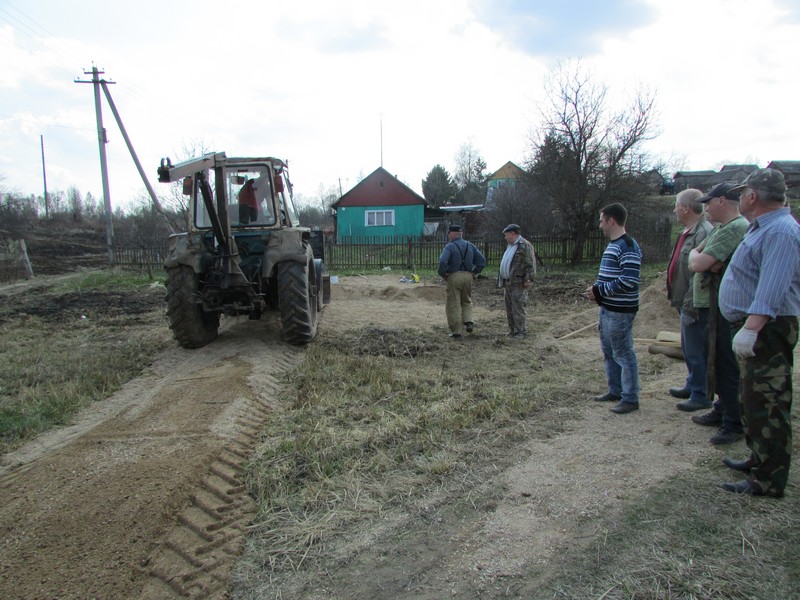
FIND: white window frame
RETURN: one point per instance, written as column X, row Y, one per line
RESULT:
column 379, row 215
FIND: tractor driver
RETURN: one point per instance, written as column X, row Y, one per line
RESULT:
column 248, row 206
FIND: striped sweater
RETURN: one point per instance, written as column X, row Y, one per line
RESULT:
column 617, row 285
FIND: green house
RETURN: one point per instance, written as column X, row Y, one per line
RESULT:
column 379, row 207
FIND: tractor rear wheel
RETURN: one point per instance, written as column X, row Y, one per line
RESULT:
column 297, row 297
column 191, row 326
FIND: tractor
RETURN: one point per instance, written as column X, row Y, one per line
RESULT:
column 245, row 252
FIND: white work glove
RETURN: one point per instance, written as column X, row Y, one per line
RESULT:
column 743, row 343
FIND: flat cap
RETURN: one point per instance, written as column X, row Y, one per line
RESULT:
column 512, row 227
column 766, row 180
column 454, row 228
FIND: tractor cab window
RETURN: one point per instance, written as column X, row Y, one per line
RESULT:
column 201, row 218
column 283, row 192
column 250, row 197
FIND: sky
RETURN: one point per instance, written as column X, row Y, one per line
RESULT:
column 342, row 88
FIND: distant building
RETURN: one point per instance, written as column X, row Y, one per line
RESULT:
column 509, row 175
column 379, row 206
column 790, row 170
column 700, row 180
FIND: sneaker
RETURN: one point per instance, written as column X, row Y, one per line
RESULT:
column 725, row 436
column 468, row 326
column 712, row 418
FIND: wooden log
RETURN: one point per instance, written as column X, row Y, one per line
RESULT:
column 671, row 351
column 669, row 336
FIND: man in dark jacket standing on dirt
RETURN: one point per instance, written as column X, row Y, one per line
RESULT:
column 617, row 292
column 517, row 269
column 459, row 262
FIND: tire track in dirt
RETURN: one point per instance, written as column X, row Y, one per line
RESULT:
column 145, row 498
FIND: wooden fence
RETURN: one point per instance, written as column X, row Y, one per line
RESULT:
column 552, row 251
column 407, row 253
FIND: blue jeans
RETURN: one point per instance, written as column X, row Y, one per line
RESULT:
column 616, row 342
column 694, row 344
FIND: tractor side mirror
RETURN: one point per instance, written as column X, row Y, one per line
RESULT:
column 187, row 186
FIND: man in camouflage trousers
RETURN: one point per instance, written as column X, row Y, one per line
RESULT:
column 517, row 268
column 760, row 296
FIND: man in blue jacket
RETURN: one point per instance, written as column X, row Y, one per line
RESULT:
column 459, row 262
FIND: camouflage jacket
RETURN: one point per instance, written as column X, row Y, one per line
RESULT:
column 523, row 264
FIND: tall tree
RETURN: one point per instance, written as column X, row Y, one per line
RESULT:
column 588, row 155
column 438, row 187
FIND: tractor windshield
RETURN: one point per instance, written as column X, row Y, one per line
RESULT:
column 249, row 193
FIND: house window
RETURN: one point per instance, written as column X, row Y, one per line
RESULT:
column 379, row 218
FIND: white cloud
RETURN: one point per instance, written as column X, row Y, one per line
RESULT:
column 313, row 83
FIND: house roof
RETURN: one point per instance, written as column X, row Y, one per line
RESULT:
column 694, row 174
column 379, row 188
column 785, row 166
column 508, row 171
column 747, row 168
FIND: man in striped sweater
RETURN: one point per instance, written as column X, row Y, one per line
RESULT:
column 616, row 290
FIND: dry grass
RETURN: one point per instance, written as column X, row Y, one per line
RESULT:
column 381, row 417
column 70, row 344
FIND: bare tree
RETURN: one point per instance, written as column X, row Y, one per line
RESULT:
column 587, row 155
column 470, row 175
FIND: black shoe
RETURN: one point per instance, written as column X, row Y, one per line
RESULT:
column 607, row 397
column 743, row 487
column 682, row 393
column 712, row 418
column 739, row 465
column 692, row 405
column 725, row 436
column 468, row 326
column 455, row 336
column 624, row 408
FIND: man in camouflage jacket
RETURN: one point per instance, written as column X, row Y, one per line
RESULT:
column 516, row 274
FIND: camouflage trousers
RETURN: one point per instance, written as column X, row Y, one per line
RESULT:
column 766, row 403
column 516, row 299
column 458, row 306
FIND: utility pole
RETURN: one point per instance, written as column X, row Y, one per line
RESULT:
column 102, row 141
column 44, row 178
column 135, row 157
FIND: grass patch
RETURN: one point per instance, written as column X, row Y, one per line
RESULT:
column 75, row 343
column 377, row 418
column 685, row 538
column 102, row 279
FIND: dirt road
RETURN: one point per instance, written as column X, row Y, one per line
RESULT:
column 142, row 498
